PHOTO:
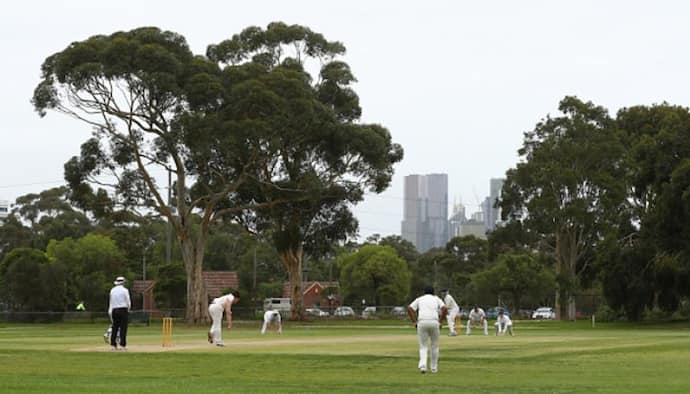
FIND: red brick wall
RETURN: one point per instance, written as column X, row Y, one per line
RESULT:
column 218, row 281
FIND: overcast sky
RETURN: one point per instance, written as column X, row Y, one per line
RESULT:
column 455, row 82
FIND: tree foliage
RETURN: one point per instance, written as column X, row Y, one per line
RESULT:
column 323, row 158
column 29, row 282
column 91, row 263
column 569, row 188
column 517, row 278
column 656, row 255
column 40, row 217
column 376, row 273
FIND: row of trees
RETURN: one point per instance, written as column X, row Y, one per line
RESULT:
column 46, row 229
column 606, row 199
column 82, row 256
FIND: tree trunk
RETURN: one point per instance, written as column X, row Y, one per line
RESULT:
column 196, row 311
column 557, row 304
column 566, row 252
column 292, row 261
column 572, row 315
column 559, row 290
column 570, row 296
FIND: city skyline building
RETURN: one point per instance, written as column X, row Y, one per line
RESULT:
column 425, row 211
column 492, row 214
column 495, row 189
column 4, row 209
column 456, row 220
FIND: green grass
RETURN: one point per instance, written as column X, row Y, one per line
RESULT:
column 347, row 357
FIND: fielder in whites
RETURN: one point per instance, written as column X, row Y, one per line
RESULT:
column 215, row 310
column 453, row 311
column 427, row 312
column 477, row 316
column 503, row 324
column 272, row 317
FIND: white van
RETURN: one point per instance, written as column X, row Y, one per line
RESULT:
column 281, row 305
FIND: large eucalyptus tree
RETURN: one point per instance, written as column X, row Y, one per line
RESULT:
column 568, row 189
column 155, row 109
column 322, row 158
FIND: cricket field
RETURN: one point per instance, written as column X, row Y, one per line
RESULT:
column 377, row 356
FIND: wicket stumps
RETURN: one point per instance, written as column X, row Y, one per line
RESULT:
column 167, row 331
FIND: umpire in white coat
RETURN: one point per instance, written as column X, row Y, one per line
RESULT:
column 118, row 308
column 427, row 312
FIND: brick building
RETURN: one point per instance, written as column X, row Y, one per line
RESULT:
column 215, row 282
column 313, row 294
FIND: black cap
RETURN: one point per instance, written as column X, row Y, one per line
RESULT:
column 428, row 289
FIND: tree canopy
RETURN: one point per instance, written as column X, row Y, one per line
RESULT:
column 569, row 188
column 516, row 277
column 376, row 273
column 324, row 159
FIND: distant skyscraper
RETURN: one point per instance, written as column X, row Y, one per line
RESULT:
column 4, row 209
column 425, row 211
column 492, row 215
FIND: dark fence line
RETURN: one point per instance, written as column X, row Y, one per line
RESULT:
column 586, row 306
column 70, row 317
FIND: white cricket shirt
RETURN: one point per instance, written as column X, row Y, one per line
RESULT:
column 477, row 315
column 504, row 320
column 428, row 307
column 119, row 298
column 221, row 300
column 450, row 302
column 271, row 315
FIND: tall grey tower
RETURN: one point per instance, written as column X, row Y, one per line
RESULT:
column 4, row 210
column 425, row 211
column 493, row 215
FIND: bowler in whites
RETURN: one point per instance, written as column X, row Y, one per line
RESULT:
column 427, row 312
column 272, row 317
column 453, row 311
column 477, row 316
column 503, row 324
column 215, row 310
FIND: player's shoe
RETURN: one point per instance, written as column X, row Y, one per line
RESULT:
column 210, row 337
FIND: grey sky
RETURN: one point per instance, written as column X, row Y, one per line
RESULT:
column 456, row 83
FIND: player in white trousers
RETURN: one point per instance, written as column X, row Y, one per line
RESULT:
column 477, row 316
column 215, row 310
column 453, row 311
column 427, row 312
column 272, row 317
column 503, row 324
